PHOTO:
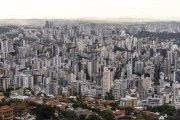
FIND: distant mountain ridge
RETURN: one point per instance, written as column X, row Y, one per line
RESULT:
column 40, row 22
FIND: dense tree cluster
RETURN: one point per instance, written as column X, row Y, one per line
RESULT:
column 12, row 36
column 5, row 29
column 79, row 104
column 44, row 112
column 107, row 115
column 164, row 109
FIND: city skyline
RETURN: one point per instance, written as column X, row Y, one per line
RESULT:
column 90, row 60
column 101, row 9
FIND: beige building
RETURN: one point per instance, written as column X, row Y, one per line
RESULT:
column 128, row 102
column 146, row 82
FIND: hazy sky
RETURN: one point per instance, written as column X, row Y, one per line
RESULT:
column 88, row 8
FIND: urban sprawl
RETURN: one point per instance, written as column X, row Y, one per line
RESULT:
column 90, row 71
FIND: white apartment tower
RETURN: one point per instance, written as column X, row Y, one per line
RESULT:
column 81, row 75
column 90, row 68
column 129, row 70
column 176, row 92
column 23, row 80
column 52, row 88
column 106, row 83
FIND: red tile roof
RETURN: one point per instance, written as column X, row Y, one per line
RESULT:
column 5, row 108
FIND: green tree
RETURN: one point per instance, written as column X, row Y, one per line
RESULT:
column 58, row 114
column 79, row 104
column 70, row 115
column 18, row 101
column 172, row 118
column 113, row 104
column 167, row 109
column 75, row 105
column 44, row 111
column 107, row 115
column 109, row 96
column 8, row 91
column 96, row 110
column 93, row 117
column 139, row 117
column 128, row 110
column 113, row 109
column 82, row 117
column 164, row 109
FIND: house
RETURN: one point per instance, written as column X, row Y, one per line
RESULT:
column 6, row 113
column 119, row 113
column 153, row 115
column 80, row 111
column 19, row 110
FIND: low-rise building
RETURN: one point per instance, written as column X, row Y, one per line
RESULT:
column 128, row 102
column 6, row 113
column 80, row 111
column 19, row 110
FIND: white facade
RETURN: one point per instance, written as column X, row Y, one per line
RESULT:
column 81, row 75
column 23, row 80
column 57, row 61
column 117, row 90
column 90, row 68
column 46, row 81
column 52, row 88
column 154, row 101
column 106, row 83
column 71, row 77
column 129, row 70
